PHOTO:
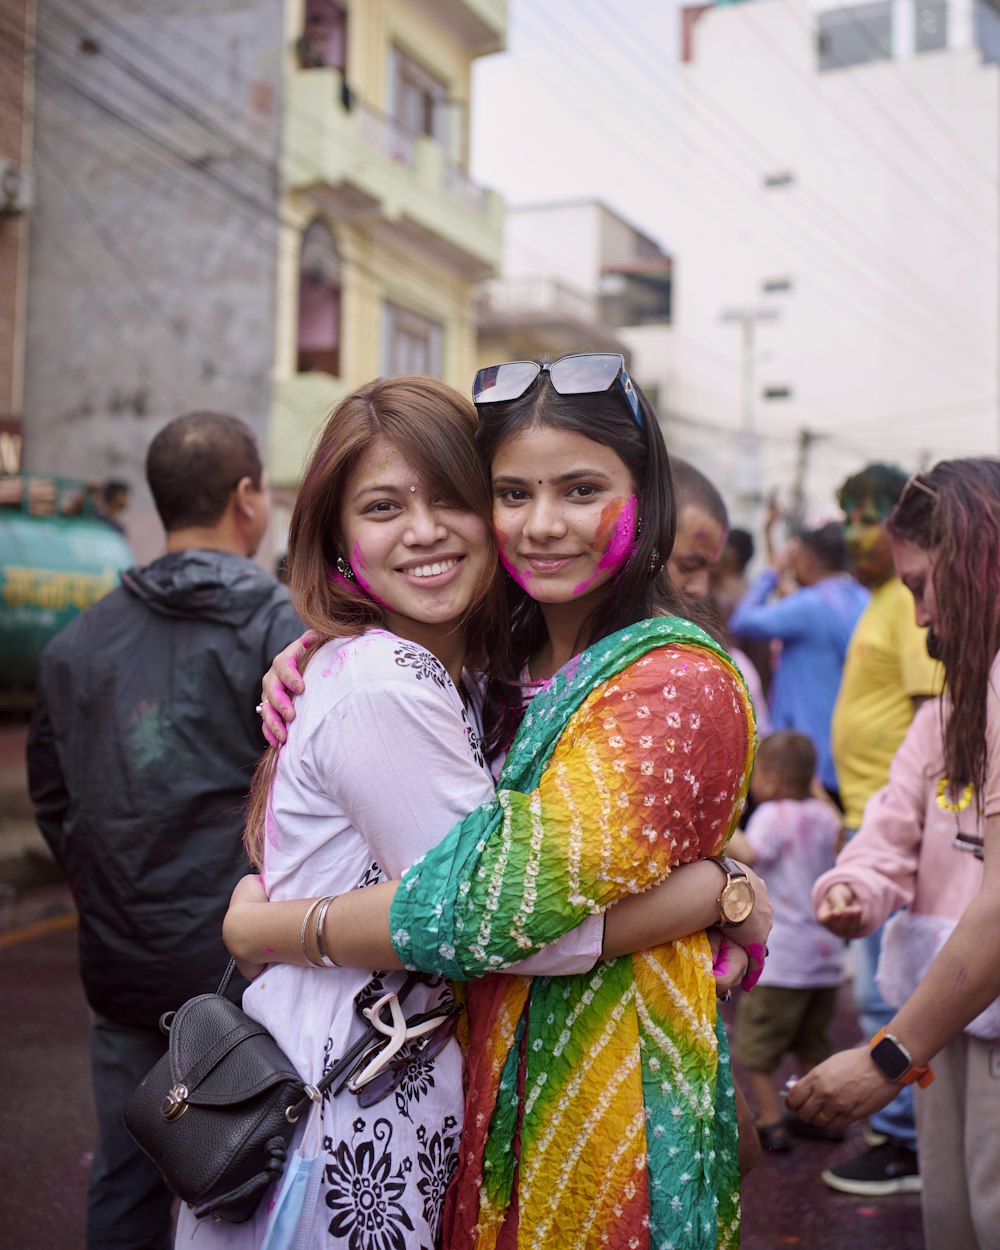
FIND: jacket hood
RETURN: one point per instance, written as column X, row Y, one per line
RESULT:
column 213, row 585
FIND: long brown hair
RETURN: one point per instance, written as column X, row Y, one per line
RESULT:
column 433, row 428
column 954, row 512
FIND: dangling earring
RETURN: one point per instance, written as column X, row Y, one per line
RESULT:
column 344, row 569
column 638, row 527
column 654, row 561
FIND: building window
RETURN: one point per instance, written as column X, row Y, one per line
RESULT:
column 776, row 286
column 781, row 178
column 986, row 16
column 324, row 36
column 412, row 342
column 418, row 100
column 855, row 35
column 932, row 26
column 319, row 302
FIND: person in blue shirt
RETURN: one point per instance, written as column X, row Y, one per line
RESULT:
column 814, row 624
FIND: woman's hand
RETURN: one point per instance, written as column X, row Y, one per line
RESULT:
column 844, row 1088
column 753, row 933
column 246, row 897
column 281, row 683
column 730, row 963
column 841, row 912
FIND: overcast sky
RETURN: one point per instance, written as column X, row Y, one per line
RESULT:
column 575, row 108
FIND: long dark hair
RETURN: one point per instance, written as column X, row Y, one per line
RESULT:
column 642, row 588
column 954, row 512
column 433, row 427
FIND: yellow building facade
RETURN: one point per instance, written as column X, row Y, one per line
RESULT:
column 384, row 235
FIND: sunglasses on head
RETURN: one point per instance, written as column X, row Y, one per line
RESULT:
column 914, row 483
column 583, row 373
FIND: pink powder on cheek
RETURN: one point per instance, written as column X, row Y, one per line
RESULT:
column 622, row 539
column 618, row 517
column 357, row 564
column 522, row 577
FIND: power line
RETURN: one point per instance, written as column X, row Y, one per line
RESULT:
column 732, row 127
column 724, row 208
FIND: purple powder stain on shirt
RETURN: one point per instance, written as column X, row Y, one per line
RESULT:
column 619, row 516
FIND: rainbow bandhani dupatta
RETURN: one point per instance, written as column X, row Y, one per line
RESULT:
column 600, row 1106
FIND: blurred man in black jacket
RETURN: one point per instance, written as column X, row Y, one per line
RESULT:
column 140, row 755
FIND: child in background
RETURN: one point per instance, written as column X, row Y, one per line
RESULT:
column 791, row 839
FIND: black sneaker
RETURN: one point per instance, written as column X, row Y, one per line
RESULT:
column 774, row 1137
column 885, row 1169
column 813, row 1132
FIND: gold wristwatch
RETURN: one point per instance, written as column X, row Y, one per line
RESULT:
column 737, row 898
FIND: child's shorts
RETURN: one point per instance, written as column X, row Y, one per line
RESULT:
column 772, row 1022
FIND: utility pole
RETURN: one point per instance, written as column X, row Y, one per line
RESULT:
column 748, row 441
column 796, row 513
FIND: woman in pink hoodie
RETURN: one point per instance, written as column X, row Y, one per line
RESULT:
column 929, row 844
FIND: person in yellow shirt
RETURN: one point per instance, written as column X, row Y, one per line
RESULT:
column 887, row 674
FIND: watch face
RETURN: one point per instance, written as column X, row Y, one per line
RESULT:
column 737, row 900
column 889, row 1059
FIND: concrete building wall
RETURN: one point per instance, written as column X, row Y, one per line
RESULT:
column 15, row 147
column 409, row 228
column 153, row 270
column 871, row 194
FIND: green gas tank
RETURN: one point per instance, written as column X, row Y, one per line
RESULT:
column 56, row 559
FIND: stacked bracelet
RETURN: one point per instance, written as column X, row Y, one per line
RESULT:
column 325, row 959
column 305, row 928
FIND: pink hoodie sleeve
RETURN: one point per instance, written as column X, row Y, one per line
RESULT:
column 880, row 862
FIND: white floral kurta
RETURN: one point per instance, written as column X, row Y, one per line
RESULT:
column 382, row 759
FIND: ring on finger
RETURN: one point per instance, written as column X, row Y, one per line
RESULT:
column 259, row 708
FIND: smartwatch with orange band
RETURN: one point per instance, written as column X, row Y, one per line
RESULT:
column 895, row 1062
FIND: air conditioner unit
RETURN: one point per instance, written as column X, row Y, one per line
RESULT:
column 16, row 187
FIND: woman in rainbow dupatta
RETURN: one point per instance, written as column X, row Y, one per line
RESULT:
column 600, row 1106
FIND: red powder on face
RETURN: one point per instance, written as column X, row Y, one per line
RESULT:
column 615, row 538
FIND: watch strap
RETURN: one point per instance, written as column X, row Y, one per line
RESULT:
column 921, row 1075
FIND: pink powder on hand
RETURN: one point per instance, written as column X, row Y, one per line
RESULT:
column 756, row 952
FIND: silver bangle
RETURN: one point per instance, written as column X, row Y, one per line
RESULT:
column 305, row 927
column 325, row 959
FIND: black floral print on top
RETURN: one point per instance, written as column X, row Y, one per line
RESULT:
column 364, row 1190
column 437, row 1160
column 423, row 664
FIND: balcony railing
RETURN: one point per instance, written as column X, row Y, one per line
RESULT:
column 536, row 295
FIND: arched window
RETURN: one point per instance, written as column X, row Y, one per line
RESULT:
column 319, row 302
column 324, row 36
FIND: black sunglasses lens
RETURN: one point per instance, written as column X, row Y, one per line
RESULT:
column 382, row 1085
column 500, row 383
column 585, row 375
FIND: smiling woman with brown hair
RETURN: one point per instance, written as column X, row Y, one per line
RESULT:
column 600, row 1098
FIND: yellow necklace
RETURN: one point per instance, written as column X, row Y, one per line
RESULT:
column 945, row 804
